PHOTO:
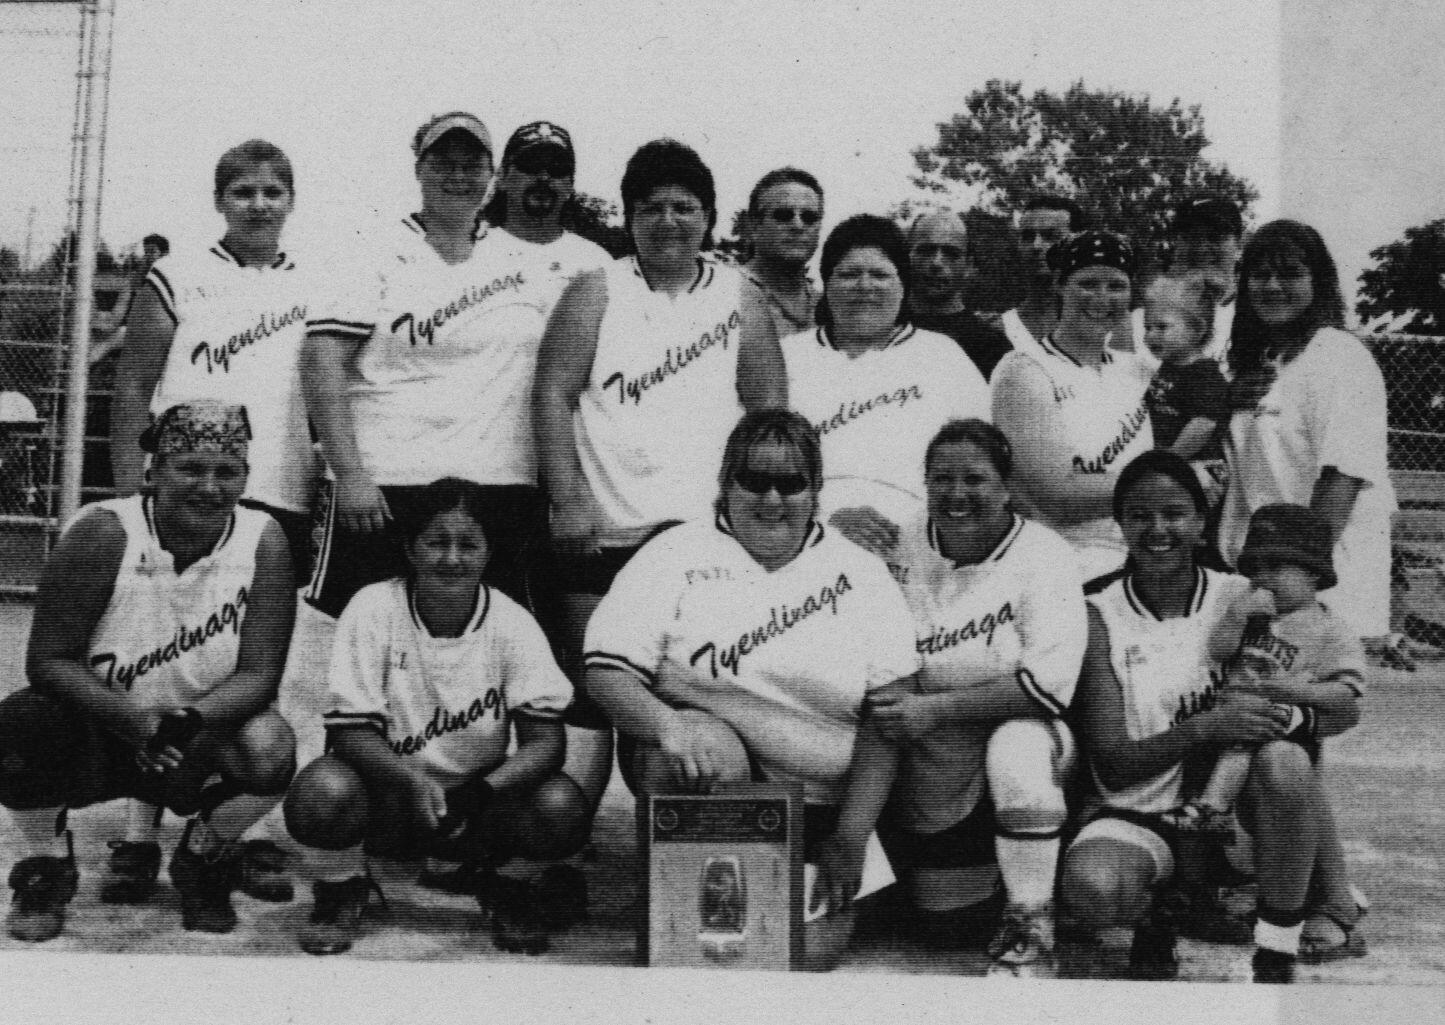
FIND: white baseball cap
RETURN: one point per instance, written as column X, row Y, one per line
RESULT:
column 457, row 120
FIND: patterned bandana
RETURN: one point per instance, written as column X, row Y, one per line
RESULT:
column 1092, row 249
column 201, row 426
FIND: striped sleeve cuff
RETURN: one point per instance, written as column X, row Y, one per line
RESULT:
column 158, row 281
column 367, row 720
column 356, row 330
column 607, row 660
column 1043, row 698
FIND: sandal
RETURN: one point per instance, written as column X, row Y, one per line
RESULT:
column 1314, row 949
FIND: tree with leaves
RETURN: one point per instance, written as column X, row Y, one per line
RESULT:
column 1125, row 160
column 1406, row 286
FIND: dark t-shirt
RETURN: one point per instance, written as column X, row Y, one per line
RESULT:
column 1178, row 394
column 983, row 343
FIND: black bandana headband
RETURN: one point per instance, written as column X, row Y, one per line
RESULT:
column 1092, row 249
column 201, row 426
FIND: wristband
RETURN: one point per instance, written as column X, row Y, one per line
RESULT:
column 1304, row 724
column 177, row 729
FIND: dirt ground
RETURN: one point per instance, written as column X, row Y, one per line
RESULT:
column 1387, row 776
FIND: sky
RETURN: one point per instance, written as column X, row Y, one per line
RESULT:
column 846, row 90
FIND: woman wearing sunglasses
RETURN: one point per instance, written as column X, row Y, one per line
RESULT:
column 873, row 386
column 785, row 213
column 745, row 645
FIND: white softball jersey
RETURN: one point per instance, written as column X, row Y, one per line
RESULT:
column 661, row 398
column 442, row 385
column 1326, row 408
column 169, row 639
column 784, row 657
column 447, row 702
column 1096, row 419
column 1020, row 337
column 876, row 412
column 1019, row 614
column 238, row 335
column 1168, row 669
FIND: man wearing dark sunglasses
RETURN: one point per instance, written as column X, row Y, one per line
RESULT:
column 785, row 213
column 939, row 262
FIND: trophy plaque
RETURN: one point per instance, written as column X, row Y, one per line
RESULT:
column 723, row 884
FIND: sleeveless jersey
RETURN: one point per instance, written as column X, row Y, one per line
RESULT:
column 661, row 397
column 170, row 640
column 1019, row 615
column 876, row 412
column 1168, row 669
column 442, row 384
column 238, row 338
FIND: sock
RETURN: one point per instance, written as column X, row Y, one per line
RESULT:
column 140, row 822
column 336, row 866
column 1028, row 865
column 43, row 830
column 1279, row 931
column 233, row 817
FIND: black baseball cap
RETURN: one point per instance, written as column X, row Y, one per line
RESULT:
column 539, row 133
column 1210, row 213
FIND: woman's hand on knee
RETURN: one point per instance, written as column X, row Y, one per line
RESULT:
column 689, row 754
column 1244, row 718
column 840, row 873
column 428, row 799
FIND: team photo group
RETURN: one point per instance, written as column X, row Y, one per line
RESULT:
column 1049, row 611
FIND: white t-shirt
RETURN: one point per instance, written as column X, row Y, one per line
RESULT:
column 1096, row 419
column 1326, row 408
column 238, row 339
column 446, row 701
column 876, row 412
column 442, row 384
column 661, row 398
column 561, row 260
column 1168, row 669
column 168, row 639
column 784, row 658
column 1019, row 613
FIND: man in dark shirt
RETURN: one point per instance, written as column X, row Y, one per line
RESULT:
column 939, row 261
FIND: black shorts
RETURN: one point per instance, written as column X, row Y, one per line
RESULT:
column 346, row 561
column 297, row 528
column 967, row 843
column 593, row 574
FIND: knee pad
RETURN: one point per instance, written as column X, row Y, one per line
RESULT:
column 1027, row 763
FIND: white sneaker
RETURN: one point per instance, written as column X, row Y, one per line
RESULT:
column 1024, row 946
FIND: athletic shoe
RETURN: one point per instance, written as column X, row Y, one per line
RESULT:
column 43, row 885
column 461, row 879
column 1199, row 914
column 561, row 897
column 205, row 885
column 134, row 866
column 335, row 920
column 1272, row 966
column 261, row 871
column 511, row 905
column 1152, row 954
column 1315, row 949
column 1024, row 945
column 1201, row 820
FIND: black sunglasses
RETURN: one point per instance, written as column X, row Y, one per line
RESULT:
column 757, row 483
column 544, row 161
column 785, row 215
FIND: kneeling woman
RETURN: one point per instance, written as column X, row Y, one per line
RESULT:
column 999, row 607
column 158, row 642
column 749, row 643
column 1159, row 634
column 429, row 675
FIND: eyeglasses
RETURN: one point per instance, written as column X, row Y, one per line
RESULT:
column 546, row 160
column 786, row 215
column 757, row 483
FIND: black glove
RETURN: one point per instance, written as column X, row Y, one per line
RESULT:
column 464, row 804
column 177, row 729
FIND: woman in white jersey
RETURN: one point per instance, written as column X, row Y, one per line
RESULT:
column 644, row 369
column 745, row 645
column 419, row 366
column 1309, row 426
column 873, row 386
column 430, row 675
column 999, row 613
column 1150, row 700
column 227, row 323
column 158, row 641
column 1073, row 408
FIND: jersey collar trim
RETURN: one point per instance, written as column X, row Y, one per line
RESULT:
column 226, row 254
column 706, row 271
column 811, row 539
column 148, row 509
column 479, row 610
column 1048, row 344
column 1015, row 528
column 1191, row 607
column 901, row 333
column 413, row 223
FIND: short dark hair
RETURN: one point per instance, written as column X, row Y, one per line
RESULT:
column 665, row 162
column 1159, row 462
column 781, row 176
column 237, row 160
column 1078, row 221
column 158, row 241
column 449, row 494
column 864, row 231
column 981, row 434
column 782, row 426
column 1273, row 245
